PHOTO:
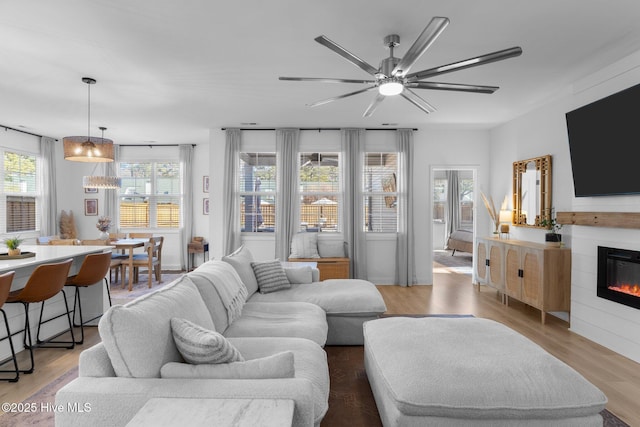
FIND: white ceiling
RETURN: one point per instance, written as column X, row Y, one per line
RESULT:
column 168, row 71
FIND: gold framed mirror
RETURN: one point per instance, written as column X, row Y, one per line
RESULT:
column 532, row 191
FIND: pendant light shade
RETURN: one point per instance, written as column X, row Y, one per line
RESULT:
column 107, row 182
column 88, row 148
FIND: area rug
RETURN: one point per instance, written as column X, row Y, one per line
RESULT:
column 461, row 262
column 122, row 296
column 351, row 402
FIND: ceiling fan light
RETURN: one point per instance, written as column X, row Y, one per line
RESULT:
column 390, row 88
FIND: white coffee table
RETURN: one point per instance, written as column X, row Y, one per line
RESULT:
column 158, row 412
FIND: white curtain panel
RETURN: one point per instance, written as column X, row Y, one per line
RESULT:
column 111, row 205
column 453, row 203
column 353, row 154
column 287, row 209
column 405, row 241
column 231, row 238
column 48, row 205
column 186, row 163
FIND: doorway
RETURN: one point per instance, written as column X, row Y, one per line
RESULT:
column 453, row 192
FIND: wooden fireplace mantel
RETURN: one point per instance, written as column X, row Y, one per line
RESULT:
column 600, row 219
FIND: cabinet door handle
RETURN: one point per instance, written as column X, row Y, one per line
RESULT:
column 520, row 273
column 486, row 262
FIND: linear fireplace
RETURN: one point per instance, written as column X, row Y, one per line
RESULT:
column 619, row 275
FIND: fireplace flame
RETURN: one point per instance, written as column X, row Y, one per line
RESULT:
column 627, row 289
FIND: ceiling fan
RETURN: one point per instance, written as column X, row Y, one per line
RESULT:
column 393, row 77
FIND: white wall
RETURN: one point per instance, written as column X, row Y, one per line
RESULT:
column 543, row 131
column 432, row 147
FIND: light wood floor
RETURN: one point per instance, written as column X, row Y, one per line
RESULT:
column 617, row 376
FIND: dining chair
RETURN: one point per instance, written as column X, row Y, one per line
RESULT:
column 93, row 270
column 6, row 280
column 63, row 241
column 152, row 259
column 45, row 282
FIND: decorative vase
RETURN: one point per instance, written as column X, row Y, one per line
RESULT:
column 14, row 252
column 103, row 235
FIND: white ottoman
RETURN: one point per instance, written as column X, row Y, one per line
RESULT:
column 471, row 372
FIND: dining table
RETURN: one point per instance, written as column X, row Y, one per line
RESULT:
column 128, row 245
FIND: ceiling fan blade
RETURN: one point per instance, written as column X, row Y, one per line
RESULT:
column 324, row 80
column 374, row 104
column 346, row 55
column 335, row 98
column 466, row 63
column 422, row 43
column 453, row 86
column 413, row 98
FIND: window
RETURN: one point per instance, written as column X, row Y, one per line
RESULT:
column 151, row 194
column 320, row 195
column 21, row 191
column 380, row 194
column 257, row 190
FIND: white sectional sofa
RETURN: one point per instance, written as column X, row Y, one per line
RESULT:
column 138, row 360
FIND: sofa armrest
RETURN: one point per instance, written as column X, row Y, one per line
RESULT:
column 95, row 362
column 112, row 402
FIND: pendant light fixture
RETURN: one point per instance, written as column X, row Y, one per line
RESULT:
column 105, row 181
column 88, row 148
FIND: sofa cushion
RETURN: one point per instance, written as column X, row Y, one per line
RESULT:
column 331, row 248
column 270, row 276
column 304, row 245
column 281, row 319
column 335, row 296
column 241, row 260
column 279, row 365
column 310, row 362
column 199, row 345
column 299, row 275
column 137, row 336
column 222, row 290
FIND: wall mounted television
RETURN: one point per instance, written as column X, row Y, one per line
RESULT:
column 603, row 137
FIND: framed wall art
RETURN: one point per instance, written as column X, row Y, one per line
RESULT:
column 205, row 184
column 91, row 207
column 90, row 190
column 205, row 206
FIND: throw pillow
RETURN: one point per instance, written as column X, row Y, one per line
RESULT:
column 241, row 260
column 304, row 245
column 270, row 276
column 331, row 248
column 199, row 345
column 279, row 365
column 299, row 275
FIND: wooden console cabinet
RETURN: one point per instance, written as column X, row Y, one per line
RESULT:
column 534, row 273
column 330, row 268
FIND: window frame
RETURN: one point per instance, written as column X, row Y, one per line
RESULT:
column 36, row 194
column 338, row 194
column 152, row 197
column 387, row 198
column 269, row 192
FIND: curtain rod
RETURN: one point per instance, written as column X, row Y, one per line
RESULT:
column 317, row 129
column 153, row 145
column 6, row 128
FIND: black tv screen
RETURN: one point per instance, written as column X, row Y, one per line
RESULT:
column 603, row 138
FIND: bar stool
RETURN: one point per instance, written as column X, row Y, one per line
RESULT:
column 46, row 281
column 94, row 269
column 5, row 286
